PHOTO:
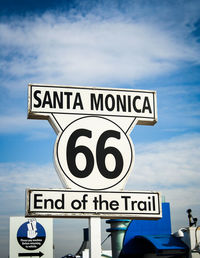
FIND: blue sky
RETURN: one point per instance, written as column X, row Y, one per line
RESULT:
column 150, row 45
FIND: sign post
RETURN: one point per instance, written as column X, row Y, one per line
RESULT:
column 93, row 153
column 95, row 236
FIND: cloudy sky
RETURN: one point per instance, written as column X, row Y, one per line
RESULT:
column 150, row 45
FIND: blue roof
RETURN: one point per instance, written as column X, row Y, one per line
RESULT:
column 159, row 244
column 148, row 236
column 166, row 242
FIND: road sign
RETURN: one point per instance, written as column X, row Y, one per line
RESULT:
column 31, row 237
column 93, row 149
column 92, row 156
column 104, row 204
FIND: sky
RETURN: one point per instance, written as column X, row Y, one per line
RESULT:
column 148, row 45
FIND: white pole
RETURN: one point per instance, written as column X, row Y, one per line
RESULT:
column 95, row 237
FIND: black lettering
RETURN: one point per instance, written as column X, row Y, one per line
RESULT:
column 134, row 104
column 121, row 104
column 142, row 206
column 154, row 204
column 109, row 102
column 36, row 97
column 46, row 201
column 146, row 105
column 36, row 200
column 57, row 100
column 76, row 204
column 78, row 101
column 59, row 203
column 96, row 103
column 68, row 94
column 125, row 201
column 47, row 100
column 114, row 205
column 129, row 103
column 84, row 201
column 149, row 203
column 133, row 204
column 95, row 201
column 101, row 202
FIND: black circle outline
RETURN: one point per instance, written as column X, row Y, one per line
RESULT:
column 58, row 160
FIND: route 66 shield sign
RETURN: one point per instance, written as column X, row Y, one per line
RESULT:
column 93, row 149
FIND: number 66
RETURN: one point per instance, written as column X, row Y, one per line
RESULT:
column 101, row 153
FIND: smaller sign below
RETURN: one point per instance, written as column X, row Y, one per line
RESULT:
column 104, row 204
column 31, row 237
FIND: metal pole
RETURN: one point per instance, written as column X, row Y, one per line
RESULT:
column 118, row 228
column 95, row 237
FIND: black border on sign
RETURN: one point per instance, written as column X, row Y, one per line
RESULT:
column 57, row 157
column 89, row 213
column 94, row 88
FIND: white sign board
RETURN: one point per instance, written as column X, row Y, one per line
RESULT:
column 77, row 100
column 104, row 204
column 93, row 150
column 31, row 237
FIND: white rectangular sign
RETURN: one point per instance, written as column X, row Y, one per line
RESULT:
column 77, row 100
column 31, row 237
column 104, row 204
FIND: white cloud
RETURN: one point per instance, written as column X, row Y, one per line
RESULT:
column 21, row 175
column 14, row 179
column 61, row 50
column 168, row 163
column 18, row 123
column 171, row 167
